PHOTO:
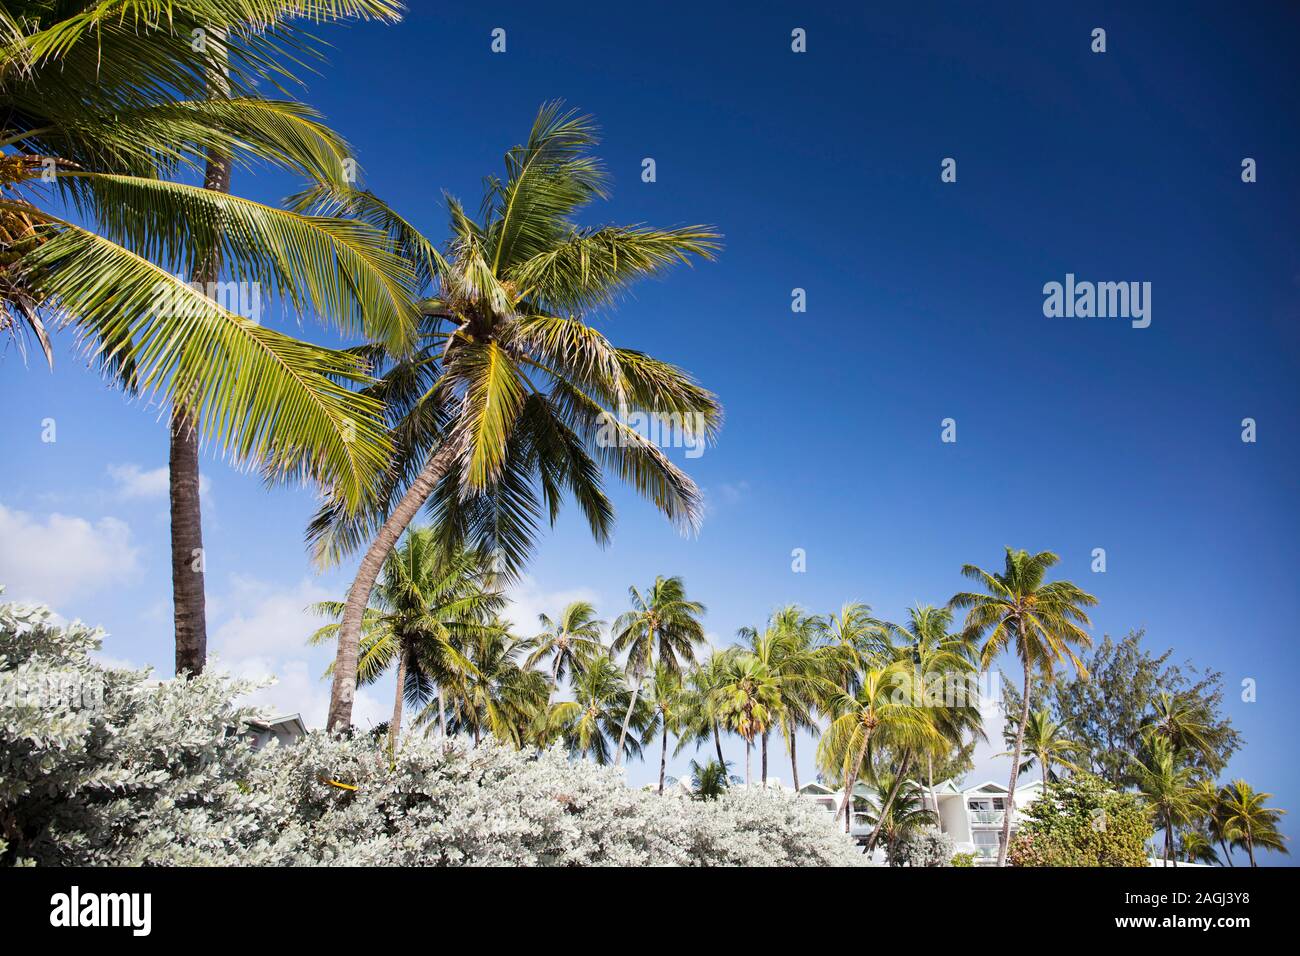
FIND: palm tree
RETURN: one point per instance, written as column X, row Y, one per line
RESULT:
column 1249, row 822
column 496, row 694
column 700, row 702
column 590, row 723
column 1185, row 722
column 787, row 647
column 944, row 665
column 663, row 628
column 1041, row 621
column 427, row 605
column 709, row 781
column 665, row 701
column 1169, row 790
column 906, row 814
column 1196, row 847
column 568, row 641
column 108, row 109
column 882, row 712
column 854, row 641
column 1045, row 741
column 525, row 400
column 749, row 701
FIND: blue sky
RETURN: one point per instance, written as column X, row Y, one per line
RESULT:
column 924, row 302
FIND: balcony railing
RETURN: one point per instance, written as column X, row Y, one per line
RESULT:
column 987, row 816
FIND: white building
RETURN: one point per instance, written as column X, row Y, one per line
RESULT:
column 972, row 817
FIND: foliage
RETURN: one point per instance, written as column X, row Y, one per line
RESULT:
column 1082, row 822
column 925, row 847
column 963, row 859
column 159, row 773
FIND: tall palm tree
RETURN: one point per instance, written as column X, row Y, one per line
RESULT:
column 854, row 641
column 662, row 628
column 664, row 700
column 1169, row 790
column 787, row 647
column 1041, row 621
column 109, row 106
column 1045, row 741
column 882, row 712
column 567, row 641
column 749, row 701
column 590, row 724
column 427, row 605
column 944, row 666
column 1249, row 822
column 524, row 400
column 700, row 703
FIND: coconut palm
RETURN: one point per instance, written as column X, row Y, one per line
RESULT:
column 1040, row 621
column 663, row 628
column 906, row 814
column 709, row 781
column 1045, row 742
column 700, row 702
column 854, row 641
column 1169, row 790
column 1196, row 847
column 590, row 724
column 664, row 699
column 427, row 605
column 1248, row 822
column 749, row 701
column 1185, row 722
column 525, row 401
column 944, row 666
column 882, row 712
column 567, row 641
column 106, row 106
column 496, row 694
column 787, row 647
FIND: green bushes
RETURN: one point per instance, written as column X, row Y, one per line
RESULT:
column 1082, row 823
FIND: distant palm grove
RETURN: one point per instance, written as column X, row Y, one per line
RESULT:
column 475, row 400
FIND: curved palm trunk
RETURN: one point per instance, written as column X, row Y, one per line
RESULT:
column 1010, row 810
column 717, row 745
column 627, row 719
column 1223, row 845
column 934, row 794
column 442, row 713
column 764, row 764
column 189, row 605
column 1250, row 848
column 344, row 690
column 889, row 802
column 794, row 760
column 851, row 781
column 663, row 757
column 395, row 725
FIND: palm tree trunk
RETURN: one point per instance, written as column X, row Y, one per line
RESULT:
column 794, row 760
column 663, row 758
column 442, row 713
column 344, row 689
column 749, row 760
column 1250, row 848
column 717, row 745
column 1009, row 811
column 889, row 802
column 188, row 601
column 627, row 719
column 395, row 725
column 1223, row 845
column 189, row 606
column 764, row 764
column 934, row 795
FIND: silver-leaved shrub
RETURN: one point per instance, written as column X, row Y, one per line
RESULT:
column 101, row 766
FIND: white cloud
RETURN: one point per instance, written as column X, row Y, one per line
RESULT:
column 63, row 556
column 265, row 636
column 527, row 599
column 134, row 482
